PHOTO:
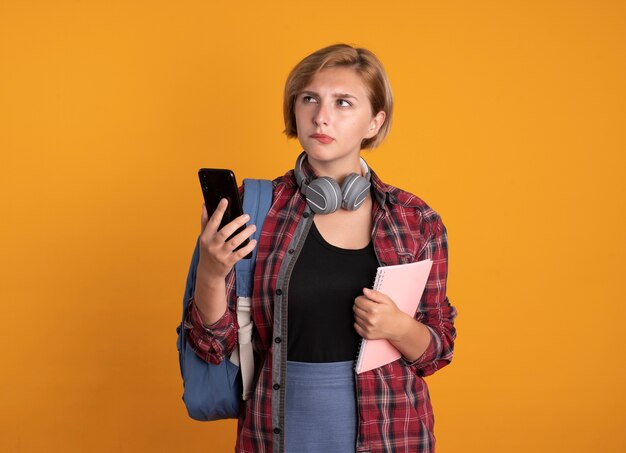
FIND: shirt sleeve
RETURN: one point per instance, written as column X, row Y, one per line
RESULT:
column 435, row 311
column 214, row 342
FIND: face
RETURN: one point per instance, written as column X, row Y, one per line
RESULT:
column 334, row 115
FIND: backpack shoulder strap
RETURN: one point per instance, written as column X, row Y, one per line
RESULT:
column 257, row 199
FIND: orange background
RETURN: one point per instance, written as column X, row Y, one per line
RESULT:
column 509, row 122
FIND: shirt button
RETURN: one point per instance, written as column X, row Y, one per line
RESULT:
column 279, row 292
column 291, row 251
column 306, row 215
column 276, row 386
column 276, row 430
column 277, row 340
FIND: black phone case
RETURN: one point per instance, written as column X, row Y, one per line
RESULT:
column 217, row 184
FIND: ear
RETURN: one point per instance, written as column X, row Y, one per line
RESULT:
column 375, row 124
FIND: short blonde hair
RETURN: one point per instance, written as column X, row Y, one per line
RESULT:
column 366, row 65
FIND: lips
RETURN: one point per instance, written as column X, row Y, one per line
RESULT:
column 322, row 138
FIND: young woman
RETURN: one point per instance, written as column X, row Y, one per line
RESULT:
column 331, row 224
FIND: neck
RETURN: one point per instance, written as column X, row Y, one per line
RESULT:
column 337, row 169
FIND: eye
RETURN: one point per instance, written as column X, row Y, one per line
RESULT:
column 343, row 103
column 308, row 99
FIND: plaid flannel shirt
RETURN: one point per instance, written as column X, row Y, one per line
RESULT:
column 394, row 409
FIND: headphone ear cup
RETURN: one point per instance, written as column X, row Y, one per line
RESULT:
column 354, row 190
column 323, row 195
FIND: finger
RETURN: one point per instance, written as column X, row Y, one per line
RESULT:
column 243, row 251
column 240, row 238
column 363, row 315
column 229, row 229
column 360, row 306
column 364, row 331
column 361, row 321
column 214, row 221
column 361, row 300
column 365, row 304
column 376, row 296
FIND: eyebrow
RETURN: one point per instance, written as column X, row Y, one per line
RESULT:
column 336, row 95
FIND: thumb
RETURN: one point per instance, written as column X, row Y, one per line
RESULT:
column 376, row 296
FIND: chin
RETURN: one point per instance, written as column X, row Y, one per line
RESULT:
column 320, row 153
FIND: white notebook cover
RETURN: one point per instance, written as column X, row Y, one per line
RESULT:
column 404, row 284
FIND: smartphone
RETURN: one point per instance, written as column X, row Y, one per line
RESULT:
column 217, row 184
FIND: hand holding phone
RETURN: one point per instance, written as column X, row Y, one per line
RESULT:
column 218, row 184
column 220, row 246
column 224, row 240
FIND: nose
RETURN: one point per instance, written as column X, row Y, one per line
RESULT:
column 322, row 115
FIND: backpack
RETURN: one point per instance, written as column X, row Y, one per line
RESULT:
column 214, row 392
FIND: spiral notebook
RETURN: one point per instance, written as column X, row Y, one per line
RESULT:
column 404, row 284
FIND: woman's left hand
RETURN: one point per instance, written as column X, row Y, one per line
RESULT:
column 377, row 316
